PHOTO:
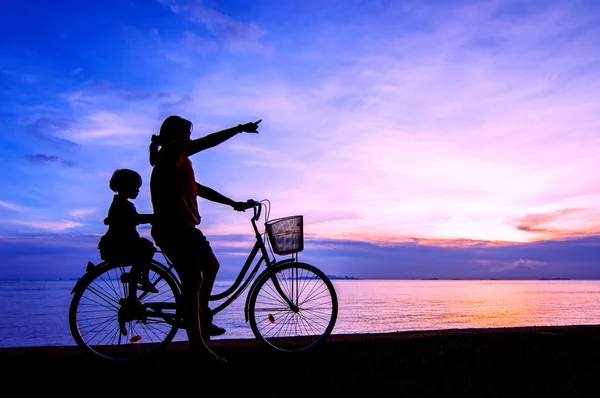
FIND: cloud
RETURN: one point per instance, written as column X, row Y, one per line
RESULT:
column 571, row 258
column 120, row 127
column 78, row 98
column 561, row 223
column 83, row 212
column 137, row 97
column 453, row 125
column 199, row 44
column 55, row 226
column 538, row 222
column 236, row 35
column 175, row 106
column 12, row 206
column 429, row 125
column 49, row 256
column 41, row 158
column 522, row 264
column 41, row 252
column 52, row 128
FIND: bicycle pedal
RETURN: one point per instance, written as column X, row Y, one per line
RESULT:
column 126, row 277
column 123, row 329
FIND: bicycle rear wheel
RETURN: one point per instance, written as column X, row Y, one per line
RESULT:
column 291, row 329
column 105, row 324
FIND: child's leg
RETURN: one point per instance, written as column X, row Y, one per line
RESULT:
column 146, row 253
column 146, row 285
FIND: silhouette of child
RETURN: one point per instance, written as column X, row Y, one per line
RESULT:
column 122, row 243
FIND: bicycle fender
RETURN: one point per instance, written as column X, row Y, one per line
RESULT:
column 90, row 274
column 260, row 276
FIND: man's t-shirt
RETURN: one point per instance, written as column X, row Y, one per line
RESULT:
column 173, row 188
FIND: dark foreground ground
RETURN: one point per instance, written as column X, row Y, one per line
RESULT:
column 511, row 362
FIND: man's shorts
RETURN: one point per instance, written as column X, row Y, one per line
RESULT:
column 187, row 248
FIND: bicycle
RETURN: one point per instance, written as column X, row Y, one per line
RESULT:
column 291, row 306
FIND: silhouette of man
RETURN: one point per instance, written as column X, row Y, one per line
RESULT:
column 174, row 192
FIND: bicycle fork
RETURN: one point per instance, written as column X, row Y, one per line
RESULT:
column 289, row 301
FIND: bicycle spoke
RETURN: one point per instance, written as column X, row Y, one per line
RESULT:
column 93, row 332
column 102, row 308
column 311, row 315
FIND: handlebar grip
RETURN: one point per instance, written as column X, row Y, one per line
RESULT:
column 257, row 209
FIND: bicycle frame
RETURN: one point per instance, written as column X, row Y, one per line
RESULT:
column 241, row 284
column 106, row 307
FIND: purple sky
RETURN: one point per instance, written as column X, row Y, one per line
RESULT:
column 449, row 139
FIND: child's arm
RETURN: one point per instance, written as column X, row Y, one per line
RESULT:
column 145, row 218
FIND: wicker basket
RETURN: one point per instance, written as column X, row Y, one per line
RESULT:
column 286, row 234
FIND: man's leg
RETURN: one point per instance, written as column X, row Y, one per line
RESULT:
column 190, row 312
column 180, row 247
column 210, row 266
column 191, row 281
column 209, row 275
column 197, row 330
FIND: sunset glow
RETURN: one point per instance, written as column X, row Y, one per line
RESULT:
column 391, row 124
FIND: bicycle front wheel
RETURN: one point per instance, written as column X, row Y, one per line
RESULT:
column 104, row 323
column 305, row 323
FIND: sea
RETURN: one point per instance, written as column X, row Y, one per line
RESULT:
column 35, row 313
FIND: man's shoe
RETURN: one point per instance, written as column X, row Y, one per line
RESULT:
column 211, row 330
column 215, row 330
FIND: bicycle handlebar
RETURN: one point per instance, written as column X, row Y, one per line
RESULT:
column 257, row 207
